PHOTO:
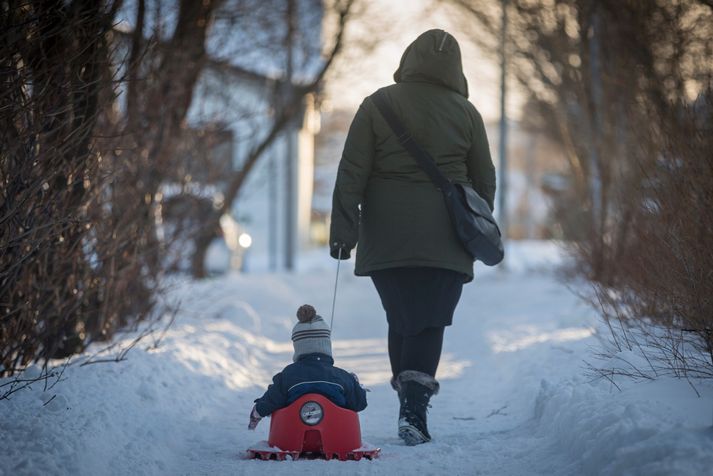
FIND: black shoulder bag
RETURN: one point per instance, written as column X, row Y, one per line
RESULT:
column 470, row 214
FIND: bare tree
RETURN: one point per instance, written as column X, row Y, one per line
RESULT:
column 288, row 101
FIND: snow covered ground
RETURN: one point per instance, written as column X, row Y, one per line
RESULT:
column 514, row 397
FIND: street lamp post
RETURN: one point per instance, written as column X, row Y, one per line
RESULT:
column 502, row 189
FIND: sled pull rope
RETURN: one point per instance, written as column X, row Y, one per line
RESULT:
column 334, row 299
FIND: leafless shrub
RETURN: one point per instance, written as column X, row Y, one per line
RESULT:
column 660, row 278
column 614, row 82
column 49, row 377
column 116, row 351
column 52, row 61
column 640, row 349
column 78, row 254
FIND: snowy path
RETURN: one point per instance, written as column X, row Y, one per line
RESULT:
column 513, row 399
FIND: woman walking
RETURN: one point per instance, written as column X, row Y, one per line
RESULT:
column 387, row 204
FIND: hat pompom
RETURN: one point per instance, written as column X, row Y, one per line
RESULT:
column 306, row 313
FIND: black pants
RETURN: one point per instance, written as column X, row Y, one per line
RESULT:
column 419, row 304
column 420, row 352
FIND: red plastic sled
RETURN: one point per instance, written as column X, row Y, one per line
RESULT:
column 313, row 426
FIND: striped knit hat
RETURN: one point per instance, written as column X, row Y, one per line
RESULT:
column 311, row 334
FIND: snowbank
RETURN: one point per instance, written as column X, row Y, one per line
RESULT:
column 650, row 428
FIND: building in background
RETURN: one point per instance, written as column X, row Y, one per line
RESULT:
column 275, row 203
column 240, row 95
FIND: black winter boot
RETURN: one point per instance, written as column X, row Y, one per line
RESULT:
column 415, row 390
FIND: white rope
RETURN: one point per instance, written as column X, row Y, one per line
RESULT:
column 334, row 299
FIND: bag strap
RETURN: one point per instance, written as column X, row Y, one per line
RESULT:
column 422, row 157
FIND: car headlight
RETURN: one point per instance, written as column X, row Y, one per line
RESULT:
column 311, row 413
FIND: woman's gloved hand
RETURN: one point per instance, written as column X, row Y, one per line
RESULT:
column 337, row 247
column 254, row 418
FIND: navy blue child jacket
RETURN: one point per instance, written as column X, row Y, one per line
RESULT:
column 312, row 373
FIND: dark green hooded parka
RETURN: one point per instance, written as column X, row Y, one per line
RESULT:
column 382, row 199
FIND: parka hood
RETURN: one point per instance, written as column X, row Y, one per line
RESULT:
column 434, row 57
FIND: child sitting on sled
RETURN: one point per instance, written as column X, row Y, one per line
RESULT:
column 313, row 371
